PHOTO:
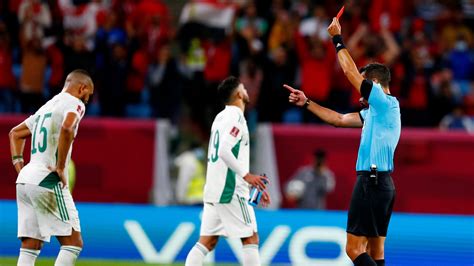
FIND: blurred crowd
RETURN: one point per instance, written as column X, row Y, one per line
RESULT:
column 156, row 58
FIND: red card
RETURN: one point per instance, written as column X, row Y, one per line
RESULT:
column 339, row 14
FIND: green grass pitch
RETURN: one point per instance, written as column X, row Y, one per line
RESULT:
column 84, row 262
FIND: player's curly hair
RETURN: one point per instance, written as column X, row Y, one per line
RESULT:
column 378, row 71
column 226, row 88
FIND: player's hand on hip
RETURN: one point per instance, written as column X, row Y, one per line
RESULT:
column 62, row 176
column 260, row 182
column 334, row 28
column 266, row 199
column 296, row 97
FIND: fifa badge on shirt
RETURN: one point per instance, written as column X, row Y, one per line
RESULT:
column 234, row 132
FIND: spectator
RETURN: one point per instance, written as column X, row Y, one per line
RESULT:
column 371, row 47
column 81, row 20
column 146, row 20
column 165, row 84
column 157, row 33
column 316, row 25
column 251, row 30
column 251, row 76
column 76, row 53
column 112, row 97
column 124, row 37
column 415, row 88
column 301, row 7
column 310, row 184
column 461, row 61
column 32, row 75
column 454, row 31
column 191, row 176
column 282, row 31
column 279, row 69
column 469, row 101
column 444, row 91
column 56, row 62
column 137, row 75
column 34, row 17
column 367, row 47
column 314, row 57
column 7, row 80
column 457, row 120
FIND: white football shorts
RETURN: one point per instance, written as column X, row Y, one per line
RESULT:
column 44, row 212
column 235, row 219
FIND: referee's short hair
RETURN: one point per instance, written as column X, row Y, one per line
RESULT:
column 377, row 71
column 226, row 89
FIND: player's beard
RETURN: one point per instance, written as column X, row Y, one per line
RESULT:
column 246, row 99
column 84, row 100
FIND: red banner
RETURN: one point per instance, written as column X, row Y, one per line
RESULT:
column 114, row 160
column 432, row 169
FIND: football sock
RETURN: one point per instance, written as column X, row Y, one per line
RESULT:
column 67, row 256
column 196, row 255
column 364, row 260
column 27, row 257
column 250, row 255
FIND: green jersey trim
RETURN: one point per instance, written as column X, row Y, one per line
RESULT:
column 229, row 186
column 50, row 181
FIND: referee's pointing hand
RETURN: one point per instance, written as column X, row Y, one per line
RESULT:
column 296, row 97
column 334, row 28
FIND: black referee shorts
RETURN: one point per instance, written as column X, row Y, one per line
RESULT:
column 371, row 205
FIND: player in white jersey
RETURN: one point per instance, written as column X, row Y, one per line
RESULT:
column 45, row 205
column 226, row 193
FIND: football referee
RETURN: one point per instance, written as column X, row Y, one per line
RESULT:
column 374, row 193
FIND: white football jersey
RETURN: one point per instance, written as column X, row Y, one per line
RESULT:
column 45, row 126
column 229, row 140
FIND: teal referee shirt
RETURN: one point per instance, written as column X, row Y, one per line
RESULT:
column 381, row 130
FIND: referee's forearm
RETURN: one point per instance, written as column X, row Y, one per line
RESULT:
column 347, row 63
column 327, row 115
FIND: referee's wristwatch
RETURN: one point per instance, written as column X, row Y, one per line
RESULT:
column 306, row 103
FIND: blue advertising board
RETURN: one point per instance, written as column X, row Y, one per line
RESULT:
column 166, row 234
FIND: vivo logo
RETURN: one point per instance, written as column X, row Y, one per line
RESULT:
column 268, row 248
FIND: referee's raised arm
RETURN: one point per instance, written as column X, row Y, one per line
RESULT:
column 345, row 59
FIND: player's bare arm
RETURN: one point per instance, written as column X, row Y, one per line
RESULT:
column 329, row 116
column 17, row 138
column 345, row 59
column 66, row 136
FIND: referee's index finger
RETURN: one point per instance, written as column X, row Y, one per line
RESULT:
column 289, row 88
